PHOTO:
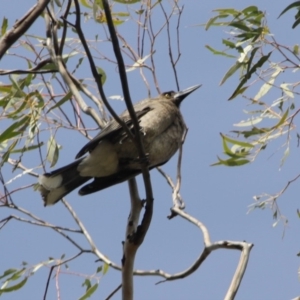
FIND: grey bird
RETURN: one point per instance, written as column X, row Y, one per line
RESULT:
column 112, row 155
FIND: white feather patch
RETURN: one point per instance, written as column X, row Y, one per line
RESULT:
column 50, row 183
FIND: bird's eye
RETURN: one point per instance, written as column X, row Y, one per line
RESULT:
column 168, row 95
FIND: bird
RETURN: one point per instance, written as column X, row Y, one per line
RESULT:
column 112, row 157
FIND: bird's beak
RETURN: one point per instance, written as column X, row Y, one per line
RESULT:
column 179, row 96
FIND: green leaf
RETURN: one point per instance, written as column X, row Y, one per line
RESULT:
column 286, row 90
column 4, row 26
column 231, row 71
column 105, row 268
column 236, row 142
column 99, row 269
column 216, row 52
column 247, row 76
column 282, row 120
column 14, row 287
column 86, row 3
column 52, row 153
column 249, row 122
column 296, row 23
column 240, row 25
column 61, row 101
column 211, row 22
column 102, row 74
column 253, row 131
column 127, row 1
column 5, row 156
column 294, row 4
column 251, row 59
column 87, row 283
column 250, row 9
column 229, row 44
column 15, row 129
column 121, row 14
column 16, row 275
column 89, row 292
column 8, row 272
column 231, row 162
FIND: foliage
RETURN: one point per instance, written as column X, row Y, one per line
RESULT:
column 267, row 82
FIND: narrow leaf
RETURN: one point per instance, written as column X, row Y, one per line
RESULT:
column 294, row 4
column 52, row 153
column 282, row 120
column 8, row 272
column 4, row 26
column 216, row 52
column 236, row 142
column 89, row 292
column 15, row 129
column 231, row 162
column 231, row 71
column 14, row 287
column 61, row 101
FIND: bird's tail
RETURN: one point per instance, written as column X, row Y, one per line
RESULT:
column 57, row 184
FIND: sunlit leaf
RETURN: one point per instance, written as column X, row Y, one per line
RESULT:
column 285, row 156
column 247, row 76
column 89, row 292
column 231, row 71
column 14, row 287
column 250, row 9
column 249, row 122
column 216, row 52
column 240, row 25
column 231, row 162
column 4, row 26
column 105, row 268
column 127, row 1
column 87, row 283
column 15, row 129
column 8, row 272
column 236, row 142
column 268, row 85
column 52, row 151
column 282, row 120
column 286, row 90
column 86, row 3
column 139, row 63
column 67, row 97
column 121, row 14
column 102, row 73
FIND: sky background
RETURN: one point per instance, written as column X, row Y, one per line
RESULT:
column 217, row 196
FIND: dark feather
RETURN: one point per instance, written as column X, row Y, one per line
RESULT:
column 112, row 129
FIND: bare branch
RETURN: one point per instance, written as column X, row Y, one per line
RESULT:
column 21, row 26
column 57, row 59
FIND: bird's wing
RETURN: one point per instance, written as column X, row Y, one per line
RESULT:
column 113, row 129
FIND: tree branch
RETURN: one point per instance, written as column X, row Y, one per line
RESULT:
column 21, row 26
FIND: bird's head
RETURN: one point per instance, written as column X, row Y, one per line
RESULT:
column 177, row 97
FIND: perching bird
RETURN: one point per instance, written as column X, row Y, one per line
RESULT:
column 112, row 155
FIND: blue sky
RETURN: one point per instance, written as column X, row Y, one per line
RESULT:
column 218, row 196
